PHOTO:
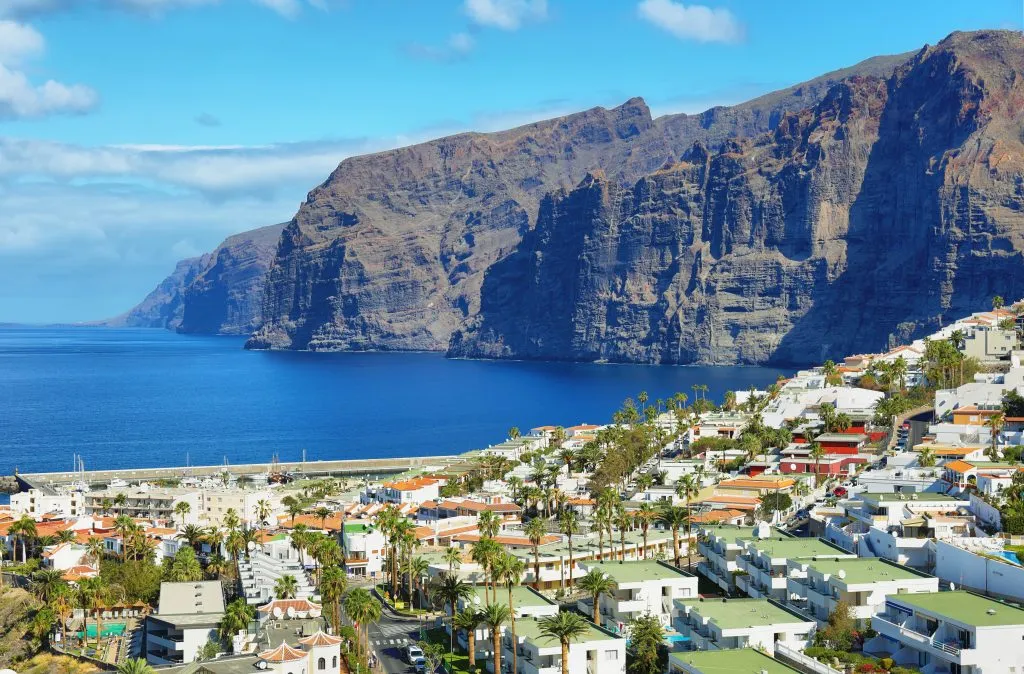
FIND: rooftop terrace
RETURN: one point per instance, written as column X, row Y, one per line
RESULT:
column 738, row 661
column 964, row 607
column 865, row 570
column 638, row 571
column 731, row 614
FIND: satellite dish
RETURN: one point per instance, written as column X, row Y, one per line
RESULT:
column 476, row 601
column 842, row 573
column 277, row 612
column 291, row 611
column 251, row 545
column 792, row 466
column 952, row 587
column 314, row 613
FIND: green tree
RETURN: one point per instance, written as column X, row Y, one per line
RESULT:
column 285, row 587
column 333, row 584
column 645, row 515
column 183, row 567
column 47, row 584
column 565, row 627
column 134, row 666
column 238, row 615
column 510, row 572
column 453, row 557
column 838, row 631
column 448, row 590
column 997, row 302
column 468, row 620
column 646, row 637
column 674, row 517
column 494, row 616
column 362, row 608
column 569, row 525
column 687, row 489
column 535, row 531
column 596, row 583
column 182, row 509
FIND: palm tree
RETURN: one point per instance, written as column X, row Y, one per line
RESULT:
column 94, row 549
column 674, row 517
column 120, row 500
column 123, row 526
column 645, row 515
column 494, row 616
column 566, row 627
column 596, row 583
column 623, row 521
column 449, row 589
column 193, row 535
column 300, row 541
column 569, row 524
column 181, row 509
column 363, row 609
column 322, row 513
column 926, row 458
column 3, row 549
column 453, row 557
column 468, row 620
column 567, row 455
column 24, row 529
column 817, row 453
column 47, row 584
column 513, row 434
column 66, row 536
column 687, row 488
column 510, row 571
column 489, row 523
column 483, row 552
column 237, row 617
column 417, row 567
column 285, row 587
column 333, row 584
column 995, row 424
column 134, row 666
column 263, row 510
column 535, row 531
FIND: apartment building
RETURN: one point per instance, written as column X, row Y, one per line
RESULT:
column 761, row 564
column 816, row 586
column 144, row 502
column 596, row 651
column 641, row 588
column 38, row 502
column 188, row 616
column 720, row 545
column 243, row 502
column 954, row 632
column 526, row 603
column 740, row 623
column 363, row 546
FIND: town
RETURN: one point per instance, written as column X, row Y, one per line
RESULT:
column 861, row 516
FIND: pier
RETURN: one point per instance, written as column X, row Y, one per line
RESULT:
column 310, row 469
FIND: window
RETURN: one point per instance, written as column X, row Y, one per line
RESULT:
column 321, row 663
column 334, row 662
column 611, row 655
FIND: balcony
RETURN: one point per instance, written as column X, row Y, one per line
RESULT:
column 631, row 606
column 886, row 626
column 165, row 641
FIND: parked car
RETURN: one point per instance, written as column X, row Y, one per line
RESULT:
column 840, row 492
column 414, row 656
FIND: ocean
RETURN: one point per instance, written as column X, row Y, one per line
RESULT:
column 144, row 398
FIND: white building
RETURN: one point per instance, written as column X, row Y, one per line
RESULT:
column 363, row 546
column 718, row 624
column 641, row 588
column 594, row 652
column 144, row 502
column 762, row 563
column 816, row 586
column 217, row 502
column 950, row 633
column 188, row 616
column 526, row 603
column 414, row 490
column 318, row 653
column 39, row 502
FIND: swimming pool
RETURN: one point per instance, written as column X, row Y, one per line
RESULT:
column 1011, row 557
column 109, row 629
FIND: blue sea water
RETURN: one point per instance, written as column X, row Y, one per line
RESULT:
column 142, row 398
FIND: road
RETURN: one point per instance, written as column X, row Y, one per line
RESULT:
column 388, row 639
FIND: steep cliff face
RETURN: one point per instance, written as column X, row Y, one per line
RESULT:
column 869, row 217
column 217, row 293
column 391, row 251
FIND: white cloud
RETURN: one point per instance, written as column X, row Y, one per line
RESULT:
column 506, row 14
column 457, row 47
column 692, row 22
column 19, row 98
column 18, row 41
column 30, row 8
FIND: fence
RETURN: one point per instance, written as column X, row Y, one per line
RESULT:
column 804, row 663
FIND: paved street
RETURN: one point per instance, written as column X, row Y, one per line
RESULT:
column 388, row 640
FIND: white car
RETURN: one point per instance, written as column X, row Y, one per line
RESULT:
column 414, row 656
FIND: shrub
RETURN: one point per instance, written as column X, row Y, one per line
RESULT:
column 886, row 663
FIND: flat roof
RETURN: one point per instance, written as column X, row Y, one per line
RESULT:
column 906, row 498
column 964, row 607
column 731, row 614
column 201, row 597
column 637, row 571
column 737, row 661
column 864, row 570
column 529, row 629
column 796, row 548
column 521, row 596
column 732, row 531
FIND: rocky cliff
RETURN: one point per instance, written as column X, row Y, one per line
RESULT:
column 392, row 250
column 890, row 204
column 220, row 292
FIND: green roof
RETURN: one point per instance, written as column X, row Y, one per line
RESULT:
column 521, row 596
column 732, row 614
column 964, row 607
column 636, row 572
column 796, row 548
column 864, row 570
column 529, row 628
column 738, row 661
column 356, row 527
column 731, row 531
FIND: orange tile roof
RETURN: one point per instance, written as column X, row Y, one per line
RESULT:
column 582, row 501
column 320, row 639
column 283, row 653
column 954, row 451
column 751, row 483
column 717, row 515
column 971, row 409
column 506, row 540
column 76, row 573
column 544, row 428
column 300, row 606
column 959, row 466
column 333, row 522
column 583, row 427
column 411, row 485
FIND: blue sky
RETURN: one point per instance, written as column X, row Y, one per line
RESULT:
column 137, row 132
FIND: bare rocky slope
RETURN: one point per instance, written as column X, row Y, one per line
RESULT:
column 220, row 292
column 841, row 214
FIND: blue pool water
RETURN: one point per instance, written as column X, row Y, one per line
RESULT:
column 148, row 398
column 1011, row 557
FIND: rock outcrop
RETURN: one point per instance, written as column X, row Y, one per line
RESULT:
column 217, row 293
column 391, row 251
column 868, row 218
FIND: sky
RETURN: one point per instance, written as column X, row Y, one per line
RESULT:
column 134, row 133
